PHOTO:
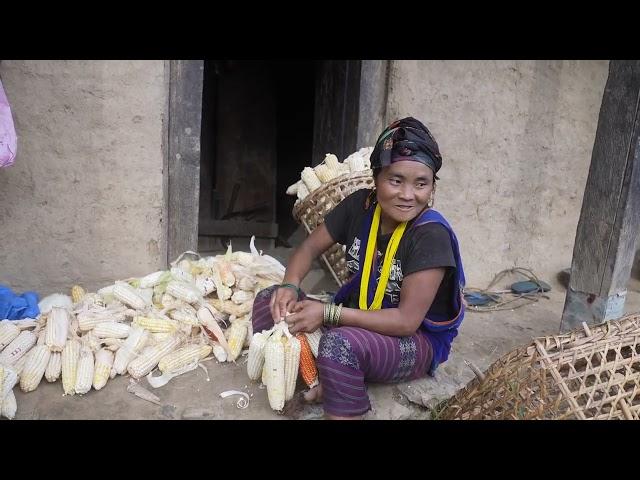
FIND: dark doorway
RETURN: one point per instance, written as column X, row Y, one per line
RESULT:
column 262, row 123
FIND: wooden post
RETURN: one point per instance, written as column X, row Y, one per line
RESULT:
column 609, row 223
column 373, row 101
column 185, row 112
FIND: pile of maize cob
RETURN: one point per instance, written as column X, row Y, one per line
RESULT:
column 330, row 168
column 276, row 358
column 170, row 320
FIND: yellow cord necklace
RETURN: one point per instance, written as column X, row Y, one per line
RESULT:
column 390, row 253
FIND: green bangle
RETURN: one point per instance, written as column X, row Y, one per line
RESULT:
column 290, row 285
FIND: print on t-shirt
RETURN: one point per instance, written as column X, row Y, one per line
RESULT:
column 392, row 292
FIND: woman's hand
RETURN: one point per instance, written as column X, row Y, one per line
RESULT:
column 306, row 316
column 282, row 301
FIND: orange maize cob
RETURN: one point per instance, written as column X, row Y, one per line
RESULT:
column 308, row 369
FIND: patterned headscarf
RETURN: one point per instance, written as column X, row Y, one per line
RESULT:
column 406, row 139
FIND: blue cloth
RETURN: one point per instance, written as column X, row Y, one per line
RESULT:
column 16, row 307
column 440, row 331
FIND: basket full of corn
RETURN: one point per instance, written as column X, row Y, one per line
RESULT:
column 324, row 186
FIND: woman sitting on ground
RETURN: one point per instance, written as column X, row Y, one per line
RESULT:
column 396, row 317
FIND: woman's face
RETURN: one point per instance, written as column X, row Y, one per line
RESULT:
column 403, row 189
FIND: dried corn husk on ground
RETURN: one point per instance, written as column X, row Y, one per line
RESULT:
column 162, row 319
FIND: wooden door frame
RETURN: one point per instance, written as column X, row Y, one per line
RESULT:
column 366, row 92
column 182, row 155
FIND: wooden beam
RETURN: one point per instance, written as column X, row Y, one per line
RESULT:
column 373, row 101
column 185, row 112
column 609, row 223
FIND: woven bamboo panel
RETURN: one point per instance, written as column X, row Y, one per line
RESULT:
column 585, row 374
column 311, row 211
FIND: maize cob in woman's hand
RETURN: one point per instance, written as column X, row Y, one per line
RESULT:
column 274, row 365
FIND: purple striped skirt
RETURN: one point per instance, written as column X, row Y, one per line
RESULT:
column 350, row 356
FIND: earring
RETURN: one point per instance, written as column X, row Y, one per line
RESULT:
column 430, row 202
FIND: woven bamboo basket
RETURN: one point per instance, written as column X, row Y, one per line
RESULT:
column 310, row 212
column 586, row 374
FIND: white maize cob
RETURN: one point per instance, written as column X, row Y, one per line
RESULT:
column 134, row 343
column 169, row 301
column 223, row 291
column 146, row 294
column 128, row 295
column 247, row 283
column 183, row 357
column 243, row 258
column 142, row 365
column 112, row 344
column 324, row 173
column 156, row 325
column 92, row 300
column 69, row 359
column 241, row 296
column 77, row 293
column 237, row 334
column 310, row 179
column 19, row 365
column 52, row 373
column 8, row 379
column 356, row 163
column 9, row 406
column 84, row 376
column 293, row 189
column 274, row 370
column 34, row 368
column 255, row 360
column 102, row 370
column 205, row 284
column 183, row 291
column 111, row 330
column 303, row 191
column 57, row 329
column 247, row 340
column 18, row 347
column 292, row 362
column 314, row 341
column 152, row 279
column 180, row 275
column 8, row 332
column 226, row 273
column 88, row 320
column 332, row 162
column 155, row 338
column 219, row 352
column 185, row 315
column 230, row 308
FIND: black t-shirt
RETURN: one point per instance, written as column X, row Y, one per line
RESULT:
column 421, row 248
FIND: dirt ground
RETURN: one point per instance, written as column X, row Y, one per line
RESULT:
column 483, row 338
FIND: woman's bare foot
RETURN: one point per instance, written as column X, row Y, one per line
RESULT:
column 313, row 395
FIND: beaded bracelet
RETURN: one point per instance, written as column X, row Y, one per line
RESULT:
column 292, row 286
